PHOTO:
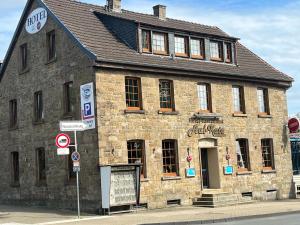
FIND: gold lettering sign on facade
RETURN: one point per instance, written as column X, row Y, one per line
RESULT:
column 206, row 126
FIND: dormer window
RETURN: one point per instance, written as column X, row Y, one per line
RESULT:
column 216, row 50
column 160, row 43
column 197, row 48
column 181, row 46
column 228, row 57
column 146, row 38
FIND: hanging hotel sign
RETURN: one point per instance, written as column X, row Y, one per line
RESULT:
column 36, row 20
column 87, row 105
column 204, row 125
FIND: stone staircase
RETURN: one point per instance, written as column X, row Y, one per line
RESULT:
column 217, row 198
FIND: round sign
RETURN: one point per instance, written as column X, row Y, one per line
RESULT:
column 36, row 20
column 293, row 125
column 75, row 156
column 62, row 140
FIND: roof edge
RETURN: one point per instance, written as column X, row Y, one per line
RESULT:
column 139, row 67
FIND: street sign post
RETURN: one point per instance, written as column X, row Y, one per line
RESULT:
column 74, row 126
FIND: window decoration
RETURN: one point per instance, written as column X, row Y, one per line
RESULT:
column 242, row 153
column 133, row 93
column 160, row 43
column 238, row 99
column 136, row 154
column 263, row 101
column 216, row 51
column 166, row 95
column 197, row 48
column 204, row 96
column 267, row 153
column 170, row 160
column 181, row 46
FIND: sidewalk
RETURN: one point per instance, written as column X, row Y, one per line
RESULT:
column 197, row 215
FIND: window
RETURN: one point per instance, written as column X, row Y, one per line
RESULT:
column 238, row 99
column 41, row 165
column 133, row 93
column 216, row 50
column 136, row 154
column 71, row 174
column 38, row 107
column 160, row 43
column 242, row 153
column 228, row 57
column 146, row 41
column 197, row 48
column 204, row 96
column 170, row 160
column 267, row 154
column 68, row 98
column 15, row 179
column 24, row 56
column 51, row 45
column 181, row 46
column 263, row 101
column 166, row 95
column 13, row 113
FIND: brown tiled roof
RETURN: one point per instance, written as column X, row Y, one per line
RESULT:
column 81, row 20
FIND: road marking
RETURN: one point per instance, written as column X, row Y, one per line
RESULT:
column 75, row 220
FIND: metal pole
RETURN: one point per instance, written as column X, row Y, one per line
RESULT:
column 77, row 179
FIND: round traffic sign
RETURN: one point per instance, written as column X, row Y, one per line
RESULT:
column 62, row 140
column 293, row 124
column 75, row 156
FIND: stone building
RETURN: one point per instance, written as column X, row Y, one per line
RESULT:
column 198, row 109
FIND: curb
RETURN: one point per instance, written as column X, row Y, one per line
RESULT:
column 238, row 218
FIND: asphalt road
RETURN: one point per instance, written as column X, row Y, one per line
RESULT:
column 293, row 219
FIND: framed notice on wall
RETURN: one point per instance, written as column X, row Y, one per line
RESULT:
column 120, row 185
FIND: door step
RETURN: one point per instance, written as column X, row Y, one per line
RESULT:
column 215, row 199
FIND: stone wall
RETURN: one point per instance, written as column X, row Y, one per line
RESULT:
column 116, row 127
column 70, row 65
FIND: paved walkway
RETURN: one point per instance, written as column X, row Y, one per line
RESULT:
column 19, row 215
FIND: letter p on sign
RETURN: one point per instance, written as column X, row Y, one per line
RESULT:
column 87, row 109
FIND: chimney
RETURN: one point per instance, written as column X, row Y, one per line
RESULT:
column 160, row 11
column 114, row 5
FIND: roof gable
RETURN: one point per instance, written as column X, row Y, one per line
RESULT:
column 20, row 25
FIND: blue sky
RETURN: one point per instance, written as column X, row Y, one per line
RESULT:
column 270, row 28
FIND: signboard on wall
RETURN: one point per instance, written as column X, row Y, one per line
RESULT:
column 88, row 105
column 123, row 188
column 36, row 20
column 293, row 125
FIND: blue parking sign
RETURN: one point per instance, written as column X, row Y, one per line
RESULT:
column 87, row 109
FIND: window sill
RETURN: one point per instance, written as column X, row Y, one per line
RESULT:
column 127, row 111
column 244, row 172
column 15, row 185
column 38, row 122
column 13, row 128
column 239, row 115
column 268, row 171
column 171, row 178
column 67, row 116
column 145, row 180
column 264, row 116
column 216, row 59
column 197, row 57
column 168, row 113
column 24, row 71
column 51, row 61
column 41, row 184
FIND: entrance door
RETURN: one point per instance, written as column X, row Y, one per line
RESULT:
column 204, row 168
